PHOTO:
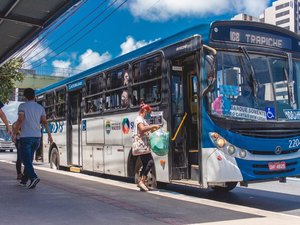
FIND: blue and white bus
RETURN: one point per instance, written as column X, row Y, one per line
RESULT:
column 228, row 93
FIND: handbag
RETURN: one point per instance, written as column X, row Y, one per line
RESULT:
column 138, row 146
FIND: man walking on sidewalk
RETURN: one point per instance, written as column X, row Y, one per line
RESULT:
column 30, row 117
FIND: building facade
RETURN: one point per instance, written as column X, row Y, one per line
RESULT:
column 283, row 13
column 243, row 16
column 32, row 81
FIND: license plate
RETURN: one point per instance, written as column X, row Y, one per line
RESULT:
column 277, row 165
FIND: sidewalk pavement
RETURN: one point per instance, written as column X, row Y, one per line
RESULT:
column 94, row 200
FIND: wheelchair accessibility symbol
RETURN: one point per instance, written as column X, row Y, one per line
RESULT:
column 270, row 113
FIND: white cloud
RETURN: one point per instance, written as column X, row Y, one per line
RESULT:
column 61, row 68
column 90, row 59
column 253, row 7
column 61, row 64
column 162, row 10
column 130, row 44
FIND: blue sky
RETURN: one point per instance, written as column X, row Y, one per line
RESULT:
column 134, row 24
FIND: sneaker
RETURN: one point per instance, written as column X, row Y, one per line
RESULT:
column 33, row 183
column 19, row 176
column 142, row 186
column 23, row 184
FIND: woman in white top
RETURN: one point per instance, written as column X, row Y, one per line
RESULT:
column 143, row 129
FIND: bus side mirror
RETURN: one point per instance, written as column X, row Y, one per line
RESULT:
column 210, row 62
column 210, row 73
column 210, row 67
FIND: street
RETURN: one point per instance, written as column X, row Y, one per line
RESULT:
column 71, row 198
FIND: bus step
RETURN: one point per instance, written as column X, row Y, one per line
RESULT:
column 74, row 169
column 186, row 182
column 194, row 150
column 195, row 172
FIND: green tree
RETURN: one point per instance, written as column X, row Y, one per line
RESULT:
column 9, row 73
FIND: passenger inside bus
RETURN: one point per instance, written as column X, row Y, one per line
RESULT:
column 124, row 99
column 246, row 98
column 126, row 79
column 91, row 107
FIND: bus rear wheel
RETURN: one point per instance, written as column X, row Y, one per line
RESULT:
column 229, row 186
column 151, row 182
column 54, row 159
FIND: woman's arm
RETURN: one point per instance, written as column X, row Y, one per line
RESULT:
column 5, row 121
column 142, row 128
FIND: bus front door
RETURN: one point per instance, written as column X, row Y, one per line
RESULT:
column 74, row 140
column 184, row 111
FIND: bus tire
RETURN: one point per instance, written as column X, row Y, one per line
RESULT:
column 229, row 186
column 151, row 182
column 54, row 159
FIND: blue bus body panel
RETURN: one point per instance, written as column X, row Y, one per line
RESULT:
column 259, row 170
column 202, row 30
column 254, row 169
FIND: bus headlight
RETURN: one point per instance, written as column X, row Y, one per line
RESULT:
column 223, row 145
column 221, row 142
column 242, row 153
column 230, row 149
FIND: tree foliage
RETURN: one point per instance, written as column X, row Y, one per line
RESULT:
column 9, row 74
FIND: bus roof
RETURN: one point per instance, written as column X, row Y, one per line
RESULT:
column 202, row 29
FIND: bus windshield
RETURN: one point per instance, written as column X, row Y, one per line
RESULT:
column 256, row 87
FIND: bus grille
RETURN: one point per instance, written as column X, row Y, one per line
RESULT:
column 284, row 152
column 260, row 169
column 269, row 133
column 273, row 172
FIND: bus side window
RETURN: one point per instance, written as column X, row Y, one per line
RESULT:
column 134, row 99
column 116, row 97
column 146, row 85
column 108, row 82
column 60, row 100
column 49, row 106
column 101, row 84
column 94, row 94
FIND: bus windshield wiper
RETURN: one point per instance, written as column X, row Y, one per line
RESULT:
column 286, row 76
column 289, row 89
column 254, row 83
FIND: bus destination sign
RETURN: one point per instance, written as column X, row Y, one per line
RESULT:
column 260, row 38
column 75, row 86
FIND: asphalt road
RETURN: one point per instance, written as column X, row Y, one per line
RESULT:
column 67, row 198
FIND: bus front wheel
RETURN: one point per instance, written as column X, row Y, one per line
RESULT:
column 54, row 159
column 151, row 182
column 229, row 186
